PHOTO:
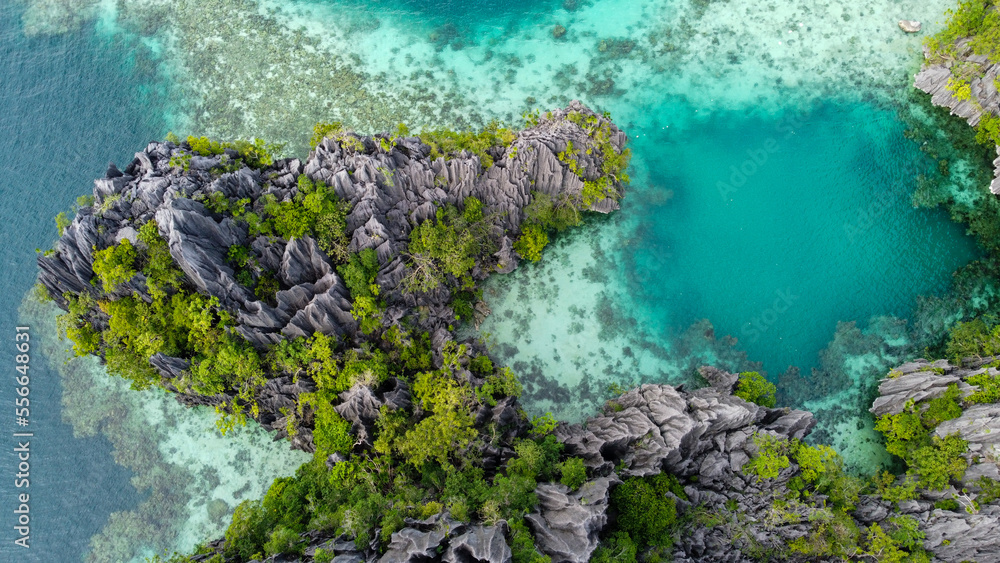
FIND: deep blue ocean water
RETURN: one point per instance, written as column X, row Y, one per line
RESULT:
column 774, row 222
column 68, row 105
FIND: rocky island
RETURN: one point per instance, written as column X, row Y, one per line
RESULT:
column 320, row 298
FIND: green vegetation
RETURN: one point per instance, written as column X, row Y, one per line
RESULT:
column 613, row 162
column 115, row 265
column 574, row 473
column 359, row 276
column 771, row 457
column 934, row 462
column 422, row 459
column 446, row 249
column 972, row 339
column 755, row 388
column 175, row 322
column 646, row 522
column 449, row 144
column 62, row 221
column 531, row 242
column 977, row 19
column 254, row 153
column 324, row 130
column 314, row 210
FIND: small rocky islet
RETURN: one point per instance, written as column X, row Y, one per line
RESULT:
column 320, row 298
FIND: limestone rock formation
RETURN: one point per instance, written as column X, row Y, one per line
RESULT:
column 969, row 532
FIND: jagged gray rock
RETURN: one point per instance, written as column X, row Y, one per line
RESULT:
column 567, row 524
column 479, row 544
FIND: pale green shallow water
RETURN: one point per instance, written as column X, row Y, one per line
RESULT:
column 770, row 205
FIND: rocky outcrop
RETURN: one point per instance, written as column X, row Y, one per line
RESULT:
column 388, row 185
column 567, row 525
column 982, row 96
column 967, row 533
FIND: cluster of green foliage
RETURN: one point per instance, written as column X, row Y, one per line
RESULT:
column 250, row 274
column 977, row 19
column 531, row 242
column 422, row 462
column 115, row 265
column 771, row 457
column 646, row 520
column 324, row 130
column 932, row 460
column 755, row 388
column 448, row 144
column 359, row 276
column 988, row 388
column 447, row 248
column 175, row 321
column 972, row 339
column 254, row 153
column 314, row 210
column 613, row 161
column 503, row 384
column 62, row 221
column 542, row 216
column 832, row 531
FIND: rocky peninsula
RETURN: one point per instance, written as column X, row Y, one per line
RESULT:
column 320, row 299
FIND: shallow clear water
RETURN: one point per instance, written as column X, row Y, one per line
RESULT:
column 770, row 204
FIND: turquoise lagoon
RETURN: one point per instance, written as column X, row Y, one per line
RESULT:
column 770, row 224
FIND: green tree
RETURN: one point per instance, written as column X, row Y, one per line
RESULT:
column 115, row 265
column 753, row 387
column 531, row 242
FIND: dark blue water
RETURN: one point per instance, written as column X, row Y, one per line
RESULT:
column 68, row 106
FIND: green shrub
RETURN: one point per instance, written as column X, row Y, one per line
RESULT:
column 284, row 541
column 770, row 459
column 574, row 473
column 522, row 544
column 323, row 556
column 162, row 274
column 115, row 265
column 332, row 433
column 448, row 144
column 448, row 429
column 945, row 407
column 322, row 130
column 448, row 246
column 889, row 491
column 645, row 513
column 531, row 242
column 549, row 214
column 813, row 461
column 972, row 338
column 503, row 384
column 359, row 275
column 247, row 533
column 753, row 387
column 903, row 431
column 940, row 462
column 62, row 221
column 543, row 424
column 989, row 389
column 618, row 548
column 949, row 504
